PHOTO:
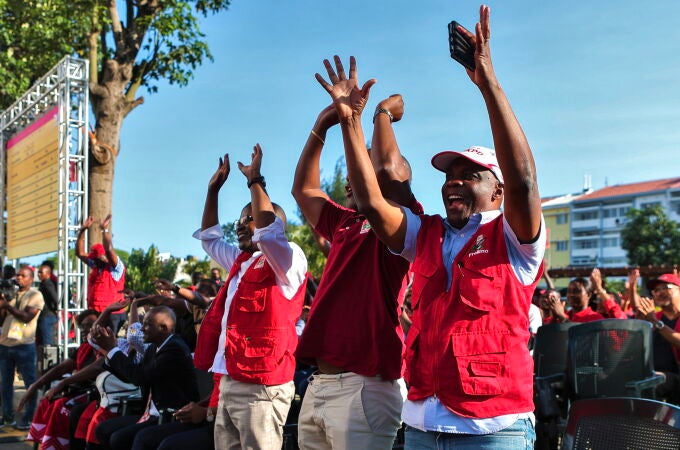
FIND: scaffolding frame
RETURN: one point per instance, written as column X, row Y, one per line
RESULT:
column 65, row 86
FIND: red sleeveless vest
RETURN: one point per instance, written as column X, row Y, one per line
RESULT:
column 261, row 337
column 102, row 289
column 468, row 345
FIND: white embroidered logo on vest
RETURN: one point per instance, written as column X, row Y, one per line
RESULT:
column 365, row 227
column 478, row 247
column 260, row 263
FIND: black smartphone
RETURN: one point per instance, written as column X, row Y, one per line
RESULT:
column 462, row 50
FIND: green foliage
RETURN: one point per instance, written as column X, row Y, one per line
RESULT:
column 193, row 264
column 144, row 267
column 303, row 235
column 162, row 40
column 651, row 238
column 335, row 186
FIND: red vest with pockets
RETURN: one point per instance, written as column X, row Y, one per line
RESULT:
column 468, row 345
column 261, row 337
column 102, row 289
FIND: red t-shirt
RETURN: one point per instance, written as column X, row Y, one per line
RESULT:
column 354, row 319
column 587, row 315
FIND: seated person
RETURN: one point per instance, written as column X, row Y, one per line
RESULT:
column 192, row 426
column 165, row 375
column 50, row 422
column 665, row 292
column 578, row 296
column 111, row 388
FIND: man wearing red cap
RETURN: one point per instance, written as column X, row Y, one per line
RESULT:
column 107, row 278
column 665, row 292
column 468, row 367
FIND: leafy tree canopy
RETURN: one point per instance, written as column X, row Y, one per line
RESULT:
column 651, row 238
column 143, row 267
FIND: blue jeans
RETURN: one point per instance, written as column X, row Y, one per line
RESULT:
column 21, row 358
column 47, row 328
column 519, row 435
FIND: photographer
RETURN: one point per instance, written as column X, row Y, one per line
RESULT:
column 17, row 344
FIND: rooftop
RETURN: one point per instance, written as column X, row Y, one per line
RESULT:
column 621, row 190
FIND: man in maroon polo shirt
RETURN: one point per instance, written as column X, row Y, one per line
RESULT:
column 355, row 400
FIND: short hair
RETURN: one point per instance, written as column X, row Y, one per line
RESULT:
column 584, row 282
column 83, row 314
column 165, row 311
column 278, row 211
column 49, row 263
column 207, row 287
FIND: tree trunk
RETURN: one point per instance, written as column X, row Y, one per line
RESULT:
column 110, row 107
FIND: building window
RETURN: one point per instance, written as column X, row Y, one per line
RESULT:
column 610, row 242
column 588, row 243
column 562, row 246
column 562, row 218
column 587, row 215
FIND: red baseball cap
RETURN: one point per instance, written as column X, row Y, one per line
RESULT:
column 96, row 251
column 665, row 278
column 485, row 157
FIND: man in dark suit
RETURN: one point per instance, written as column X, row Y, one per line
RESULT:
column 165, row 374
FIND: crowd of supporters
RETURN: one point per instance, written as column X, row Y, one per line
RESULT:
column 438, row 305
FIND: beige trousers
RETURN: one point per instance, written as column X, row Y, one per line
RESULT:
column 251, row 416
column 350, row 412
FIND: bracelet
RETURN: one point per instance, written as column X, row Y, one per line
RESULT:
column 176, row 288
column 105, row 230
column 257, row 180
column 318, row 137
column 383, row 110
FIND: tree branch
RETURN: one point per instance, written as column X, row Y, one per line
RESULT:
column 117, row 28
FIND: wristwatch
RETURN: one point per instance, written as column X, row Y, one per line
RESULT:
column 210, row 415
column 659, row 325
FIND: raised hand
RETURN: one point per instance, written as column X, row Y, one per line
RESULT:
column 106, row 222
column 220, row 175
column 596, row 279
column 88, row 222
column 117, row 306
column 103, row 337
column 348, row 99
column 253, row 170
column 646, row 310
column 483, row 75
column 395, row 105
column 163, row 285
column 556, row 306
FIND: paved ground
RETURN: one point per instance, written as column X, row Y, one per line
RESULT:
column 11, row 438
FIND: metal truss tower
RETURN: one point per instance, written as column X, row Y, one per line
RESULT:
column 65, row 86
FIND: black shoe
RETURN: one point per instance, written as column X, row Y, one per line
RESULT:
column 23, row 426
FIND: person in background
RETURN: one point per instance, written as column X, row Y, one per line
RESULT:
column 19, row 316
column 47, row 322
column 106, row 282
column 665, row 292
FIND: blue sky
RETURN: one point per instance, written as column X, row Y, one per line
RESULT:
column 594, row 84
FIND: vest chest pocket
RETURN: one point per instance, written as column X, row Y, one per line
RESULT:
column 480, row 360
column 478, row 288
column 424, row 273
column 251, row 301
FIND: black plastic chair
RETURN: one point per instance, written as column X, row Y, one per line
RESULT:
column 550, row 349
column 550, row 399
column 622, row 423
column 611, row 358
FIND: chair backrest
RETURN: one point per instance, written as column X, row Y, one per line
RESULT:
column 621, row 423
column 606, row 354
column 550, row 349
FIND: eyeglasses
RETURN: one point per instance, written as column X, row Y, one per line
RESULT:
column 243, row 221
column 663, row 287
